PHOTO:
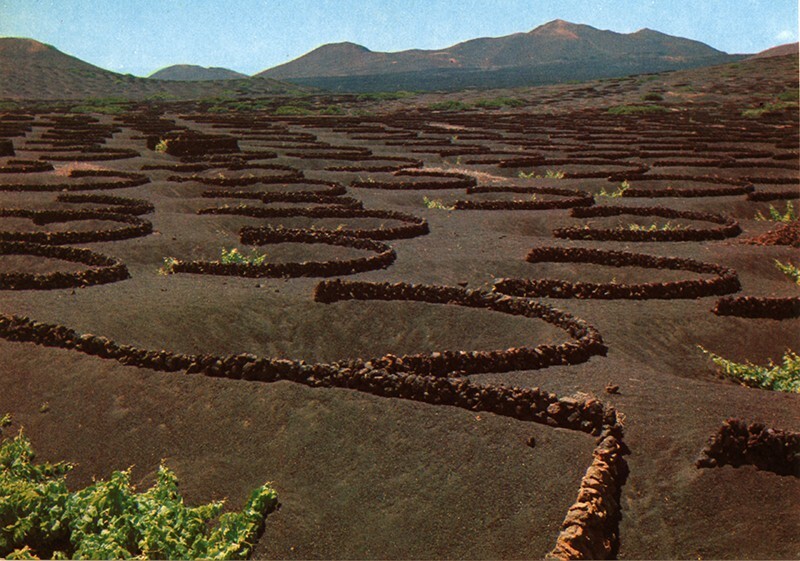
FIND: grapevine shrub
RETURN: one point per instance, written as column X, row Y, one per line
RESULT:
column 776, row 215
column 790, row 270
column 40, row 517
column 230, row 256
column 784, row 377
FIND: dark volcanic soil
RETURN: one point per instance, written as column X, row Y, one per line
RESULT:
column 361, row 476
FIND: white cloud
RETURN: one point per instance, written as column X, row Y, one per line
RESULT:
column 785, row 35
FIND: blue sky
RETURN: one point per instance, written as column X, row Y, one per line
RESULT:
column 141, row 36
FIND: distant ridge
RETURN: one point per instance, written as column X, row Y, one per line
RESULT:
column 192, row 72
column 558, row 51
column 780, row 50
column 553, row 52
column 33, row 70
column 27, row 55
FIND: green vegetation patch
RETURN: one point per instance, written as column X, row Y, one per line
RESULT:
column 40, row 517
column 449, row 105
column 789, row 95
column 636, row 109
column 490, row 103
column 436, row 204
column 790, row 270
column 161, row 96
column 331, row 110
column 104, row 105
column 784, row 377
column 548, row 174
column 225, row 106
column 112, row 110
column 499, row 103
column 235, row 256
column 619, row 192
column 168, row 267
column 384, row 96
column 768, row 108
column 293, row 110
column 668, row 227
column 775, row 215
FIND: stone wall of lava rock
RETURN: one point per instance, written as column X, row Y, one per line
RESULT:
column 725, row 280
column 591, row 528
column 384, row 257
column 25, row 166
column 122, row 205
column 129, row 179
column 588, row 341
column 729, row 227
column 759, row 307
column 571, row 198
column 446, row 180
column 778, row 195
column 413, row 226
column 591, row 525
column 103, row 269
column 133, row 226
column 192, row 143
column 329, row 189
column 737, row 443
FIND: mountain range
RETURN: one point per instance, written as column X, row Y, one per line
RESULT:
column 192, row 72
column 780, row 50
column 554, row 52
column 33, row 70
column 558, row 51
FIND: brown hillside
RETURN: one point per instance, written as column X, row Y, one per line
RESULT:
column 33, row 70
column 555, row 42
column 192, row 72
column 780, row 50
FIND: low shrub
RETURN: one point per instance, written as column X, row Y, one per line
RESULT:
column 784, row 377
column 768, row 108
column 292, row 110
column 168, row 267
column 160, row 96
column 652, row 96
column 777, row 216
column 40, row 517
column 668, row 227
column 449, row 105
column 549, row 174
column 620, row 192
column 235, row 256
column 103, row 105
column 499, row 103
column 636, row 109
column 436, row 204
column 789, row 270
column 331, row 110
column 102, row 109
column 384, row 96
column 240, row 106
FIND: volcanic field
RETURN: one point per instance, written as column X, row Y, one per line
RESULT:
column 476, row 331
